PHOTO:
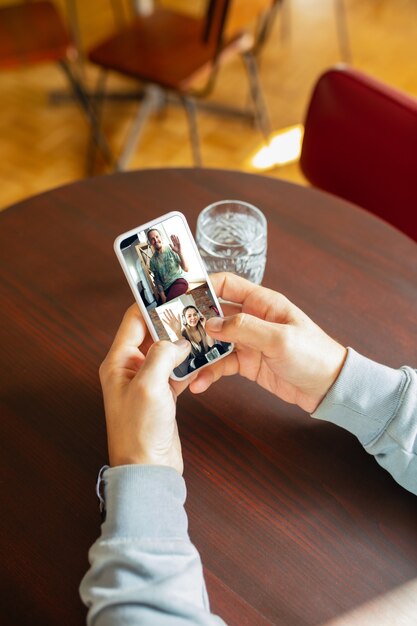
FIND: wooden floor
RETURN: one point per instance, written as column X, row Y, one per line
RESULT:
column 43, row 145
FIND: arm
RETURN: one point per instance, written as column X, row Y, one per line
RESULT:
column 144, row 568
column 379, row 406
column 285, row 352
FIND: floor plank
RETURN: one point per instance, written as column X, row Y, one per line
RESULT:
column 43, row 145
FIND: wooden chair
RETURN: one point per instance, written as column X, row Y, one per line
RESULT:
column 33, row 33
column 360, row 143
column 172, row 53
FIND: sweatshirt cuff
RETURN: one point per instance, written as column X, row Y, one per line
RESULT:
column 364, row 398
column 144, row 501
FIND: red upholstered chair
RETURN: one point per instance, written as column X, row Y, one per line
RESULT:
column 32, row 33
column 360, row 143
column 172, row 54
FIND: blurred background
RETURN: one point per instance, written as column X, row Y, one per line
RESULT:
column 44, row 140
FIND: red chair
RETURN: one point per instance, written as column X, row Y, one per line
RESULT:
column 360, row 143
column 32, row 33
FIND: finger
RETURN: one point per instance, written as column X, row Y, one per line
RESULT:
column 132, row 330
column 179, row 385
column 232, row 288
column 161, row 359
column 229, row 308
column 246, row 330
column 147, row 343
column 256, row 300
column 206, row 377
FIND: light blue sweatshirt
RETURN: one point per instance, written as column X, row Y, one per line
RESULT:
column 144, row 568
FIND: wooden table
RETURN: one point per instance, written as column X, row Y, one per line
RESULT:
column 295, row 523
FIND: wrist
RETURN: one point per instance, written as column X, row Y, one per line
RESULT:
column 335, row 360
column 172, row 460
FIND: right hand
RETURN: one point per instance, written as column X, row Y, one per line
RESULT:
column 276, row 345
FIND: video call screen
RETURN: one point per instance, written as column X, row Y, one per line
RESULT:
column 171, row 282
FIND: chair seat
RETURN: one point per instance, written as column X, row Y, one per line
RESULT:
column 166, row 48
column 170, row 51
column 30, row 33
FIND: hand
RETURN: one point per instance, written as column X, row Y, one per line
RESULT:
column 276, row 345
column 176, row 247
column 139, row 397
column 173, row 321
column 176, row 244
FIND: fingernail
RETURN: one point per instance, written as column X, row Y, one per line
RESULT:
column 215, row 323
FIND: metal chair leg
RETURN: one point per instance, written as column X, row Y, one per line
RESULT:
column 149, row 104
column 261, row 112
column 191, row 111
column 88, row 110
column 342, row 31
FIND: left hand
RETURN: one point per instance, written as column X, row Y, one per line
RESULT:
column 139, row 397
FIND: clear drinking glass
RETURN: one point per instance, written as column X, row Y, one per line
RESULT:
column 232, row 237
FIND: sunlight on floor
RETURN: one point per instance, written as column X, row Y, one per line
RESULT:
column 283, row 148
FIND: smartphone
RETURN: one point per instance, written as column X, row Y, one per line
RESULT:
column 168, row 279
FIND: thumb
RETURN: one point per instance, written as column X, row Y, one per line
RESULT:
column 244, row 330
column 162, row 357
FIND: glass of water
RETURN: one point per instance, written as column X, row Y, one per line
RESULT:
column 232, row 237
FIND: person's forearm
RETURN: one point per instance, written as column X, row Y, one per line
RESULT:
column 378, row 405
column 183, row 262
column 144, row 569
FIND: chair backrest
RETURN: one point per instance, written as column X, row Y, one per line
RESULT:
column 360, row 143
column 228, row 18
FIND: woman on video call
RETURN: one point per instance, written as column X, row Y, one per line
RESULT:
column 191, row 325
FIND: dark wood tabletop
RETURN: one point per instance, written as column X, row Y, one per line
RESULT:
column 296, row 524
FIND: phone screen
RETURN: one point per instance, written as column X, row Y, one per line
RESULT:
column 169, row 281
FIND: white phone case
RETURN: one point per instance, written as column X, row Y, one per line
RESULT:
column 129, row 273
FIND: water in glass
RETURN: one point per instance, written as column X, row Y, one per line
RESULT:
column 232, row 237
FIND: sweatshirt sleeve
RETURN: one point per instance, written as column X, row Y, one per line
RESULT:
column 379, row 406
column 144, row 568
